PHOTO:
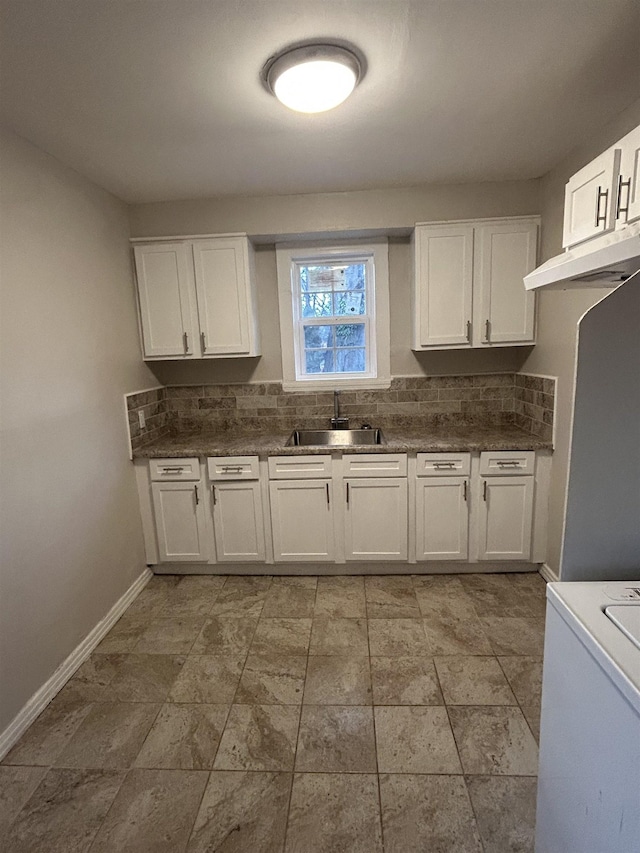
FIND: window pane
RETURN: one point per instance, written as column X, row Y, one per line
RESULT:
column 350, row 361
column 318, row 361
column 318, row 336
column 352, row 277
column 350, row 336
column 320, row 277
column 348, row 302
column 316, row 304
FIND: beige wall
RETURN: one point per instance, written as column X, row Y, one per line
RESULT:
column 70, row 540
column 278, row 216
column 559, row 313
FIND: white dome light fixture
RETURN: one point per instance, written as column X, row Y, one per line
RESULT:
column 313, row 78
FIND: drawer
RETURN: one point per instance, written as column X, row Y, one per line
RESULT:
column 233, row 467
column 175, row 469
column 443, row 464
column 374, row 465
column 503, row 462
column 299, row 467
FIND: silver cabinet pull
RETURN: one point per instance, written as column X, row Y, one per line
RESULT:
column 484, row 491
column 185, row 343
column 203, row 342
column 173, row 469
column 328, row 498
column 347, row 494
column 619, row 208
column 444, row 464
column 227, row 469
column 197, row 497
column 602, row 194
column 469, row 331
column 213, row 492
column 487, row 330
column 464, row 491
column 508, row 463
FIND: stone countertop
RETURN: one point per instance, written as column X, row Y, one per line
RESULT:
column 443, row 439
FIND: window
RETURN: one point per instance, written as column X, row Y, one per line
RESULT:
column 334, row 315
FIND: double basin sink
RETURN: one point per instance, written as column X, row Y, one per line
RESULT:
column 335, row 438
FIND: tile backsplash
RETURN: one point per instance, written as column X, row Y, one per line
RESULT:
column 494, row 398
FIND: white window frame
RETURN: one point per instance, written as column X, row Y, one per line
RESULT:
column 376, row 254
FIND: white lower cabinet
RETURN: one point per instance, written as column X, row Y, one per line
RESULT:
column 238, row 521
column 302, row 520
column 376, row 515
column 442, row 518
column 505, row 518
column 181, row 522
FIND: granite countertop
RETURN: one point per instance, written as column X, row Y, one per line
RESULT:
column 428, row 440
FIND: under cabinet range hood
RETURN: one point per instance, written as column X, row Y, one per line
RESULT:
column 601, row 262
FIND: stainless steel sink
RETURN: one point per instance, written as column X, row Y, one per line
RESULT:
column 335, row 437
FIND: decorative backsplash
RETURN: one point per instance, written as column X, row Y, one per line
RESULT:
column 493, row 398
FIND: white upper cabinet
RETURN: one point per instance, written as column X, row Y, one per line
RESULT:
column 504, row 254
column 468, row 288
column 197, row 298
column 590, row 199
column 628, row 194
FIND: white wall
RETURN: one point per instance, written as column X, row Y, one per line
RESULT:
column 70, row 541
column 559, row 313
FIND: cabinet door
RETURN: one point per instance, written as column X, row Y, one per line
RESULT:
column 506, row 515
column 443, row 286
column 376, row 521
column 442, row 518
column 302, row 520
column 224, row 296
column 238, row 521
column 180, row 522
column 589, row 199
column 628, row 196
column 167, row 299
column 505, row 253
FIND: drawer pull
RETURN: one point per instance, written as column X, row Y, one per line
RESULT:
column 347, row 494
column 328, row 498
column 173, row 469
column 213, row 492
column 464, row 491
column 508, row 463
column 228, row 469
column 444, row 464
column 197, row 497
column 484, row 491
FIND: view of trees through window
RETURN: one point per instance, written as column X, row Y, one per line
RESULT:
column 332, row 307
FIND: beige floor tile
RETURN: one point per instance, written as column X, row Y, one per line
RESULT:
column 495, row 595
column 397, row 638
column 169, row 636
column 336, row 739
column 184, row 737
column 153, row 812
column 506, row 811
column 212, row 679
column 341, row 597
column 259, row 737
column 64, row 813
column 225, row 635
column 124, row 635
column 515, row 635
column 334, row 813
column 427, row 813
column 193, row 595
column 48, row 735
column 405, row 681
column 331, row 636
column 524, row 674
column 454, row 629
column 110, row 736
column 91, row 681
column 282, row 636
column 272, row 680
column 241, row 812
column 145, row 678
column 494, row 741
column 16, row 786
column 415, row 739
column 532, row 716
column 473, row 680
column 239, row 601
column 335, row 680
column 391, row 597
column 289, row 600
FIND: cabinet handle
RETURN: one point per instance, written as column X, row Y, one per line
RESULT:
column 197, row 498
column 213, row 493
column 203, row 342
column 328, row 498
column 231, row 468
column 619, row 208
column 173, row 469
column 484, row 491
column 464, row 491
column 469, row 331
column 347, row 494
column 487, row 330
column 601, row 195
column 444, row 465
column 508, row 463
column 185, row 343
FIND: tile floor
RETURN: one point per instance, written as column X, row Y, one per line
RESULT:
column 388, row 713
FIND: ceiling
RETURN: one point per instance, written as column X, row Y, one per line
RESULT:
column 161, row 99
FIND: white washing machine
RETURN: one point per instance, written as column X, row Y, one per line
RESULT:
column 589, row 775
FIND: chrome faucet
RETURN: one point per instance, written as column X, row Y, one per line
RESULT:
column 338, row 422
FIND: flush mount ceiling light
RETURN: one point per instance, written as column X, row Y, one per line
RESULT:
column 313, row 78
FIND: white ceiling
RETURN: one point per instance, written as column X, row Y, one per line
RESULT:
column 161, row 99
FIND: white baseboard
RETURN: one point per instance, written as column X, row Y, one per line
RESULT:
column 548, row 574
column 63, row 673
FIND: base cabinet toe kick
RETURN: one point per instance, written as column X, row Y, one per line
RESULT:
column 437, row 511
